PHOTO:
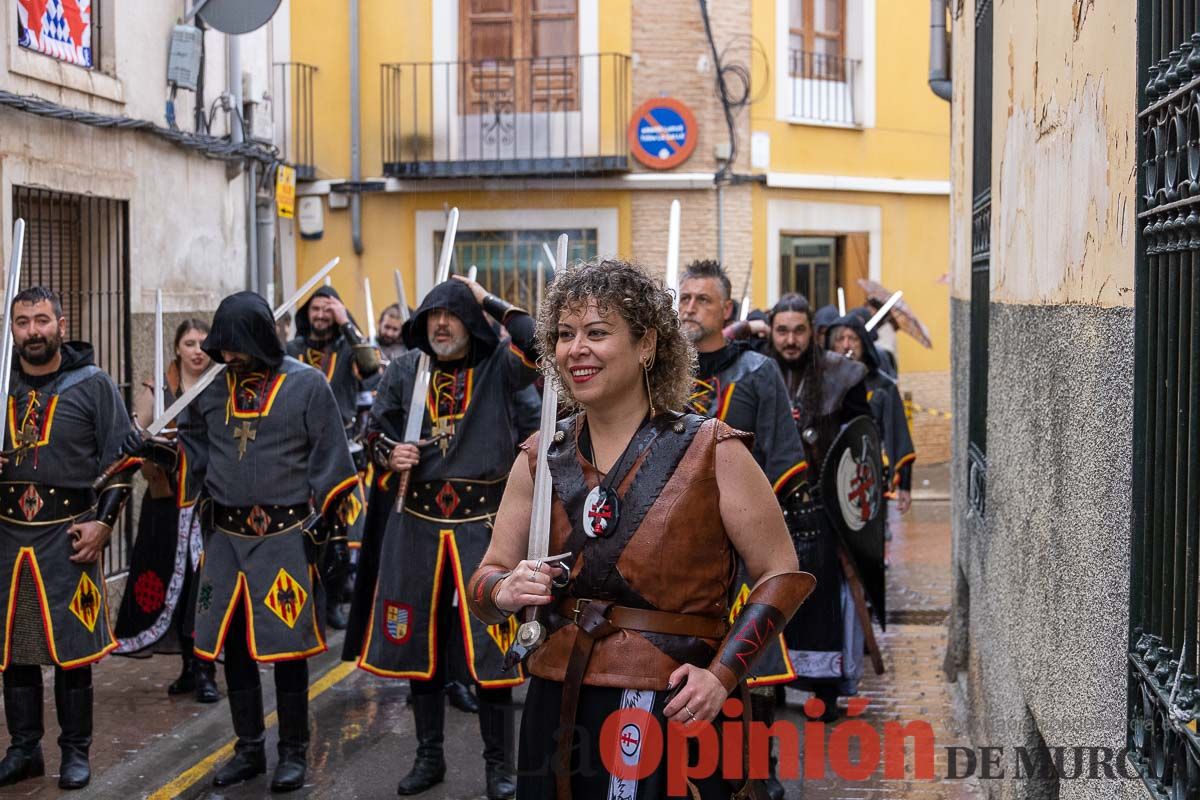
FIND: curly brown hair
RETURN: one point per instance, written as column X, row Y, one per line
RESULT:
column 643, row 302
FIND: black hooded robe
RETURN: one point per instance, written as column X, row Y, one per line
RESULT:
column 446, row 525
column 71, row 427
column 744, row 389
column 276, row 459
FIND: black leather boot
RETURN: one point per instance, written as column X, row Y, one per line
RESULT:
column 293, row 741
column 186, row 682
column 249, row 757
column 206, row 681
column 23, row 712
column 762, row 709
column 497, row 751
column 429, row 769
column 460, row 697
column 74, row 707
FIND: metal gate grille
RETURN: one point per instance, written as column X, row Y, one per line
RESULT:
column 1166, row 513
column 78, row 245
column 981, row 261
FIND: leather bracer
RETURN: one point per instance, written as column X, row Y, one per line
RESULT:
column 481, row 594
column 498, row 308
column 767, row 611
column 115, row 492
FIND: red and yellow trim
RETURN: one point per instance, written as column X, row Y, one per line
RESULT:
column 241, row 594
column 723, row 405
column 519, row 353
column 785, row 677
column 783, row 480
column 337, row 490
column 271, row 393
column 431, row 400
column 26, row 553
column 47, row 421
column 446, row 545
column 901, row 464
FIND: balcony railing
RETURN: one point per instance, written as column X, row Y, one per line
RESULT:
column 296, row 117
column 561, row 115
column 823, row 88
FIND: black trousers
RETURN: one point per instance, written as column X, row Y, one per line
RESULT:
column 451, row 660
column 30, row 675
column 241, row 671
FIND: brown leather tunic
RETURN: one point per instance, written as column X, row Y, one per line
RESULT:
column 679, row 559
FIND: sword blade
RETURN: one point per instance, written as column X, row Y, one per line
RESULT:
column 401, row 297
column 673, row 251
column 883, row 310
column 11, row 288
column 539, row 517
column 443, row 270
column 214, row 370
column 159, row 365
column 371, row 332
column 841, row 302
column 472, row 272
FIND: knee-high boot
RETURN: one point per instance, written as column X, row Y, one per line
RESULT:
column 293, row 741
column 498, row 746
column 762, row 709
column 249, row 757
column 74, row 706
column 23, row 712
column 429, row 769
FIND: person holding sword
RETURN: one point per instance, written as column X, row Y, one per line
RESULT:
column 453, row 475
column 654, row 507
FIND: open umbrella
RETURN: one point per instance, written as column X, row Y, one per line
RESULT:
column 901, row 314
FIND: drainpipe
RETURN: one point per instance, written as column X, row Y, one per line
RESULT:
column 233, row 55
column 355, row 134
column 939, row 50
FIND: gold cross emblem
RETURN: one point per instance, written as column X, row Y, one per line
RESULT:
column 442, row 430
column 245, row 435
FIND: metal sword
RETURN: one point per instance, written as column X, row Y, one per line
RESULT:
column 532, row 632
column 211, row 374
column 371, row 332
column 159, row 362
column 673, row 251
column 14, row 282
column 420, row 390
column 883, row 310
column 401, row 298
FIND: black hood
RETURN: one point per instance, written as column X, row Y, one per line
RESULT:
column 303, row 329
column 855, row 323
column 824, row 316
column 244, row 324
column 455, row 297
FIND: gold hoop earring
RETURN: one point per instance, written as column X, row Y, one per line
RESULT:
column 646, row 364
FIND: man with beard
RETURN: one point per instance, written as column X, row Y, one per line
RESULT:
column 328, row 339
column 456, row 476
column 848, row 336
column 827, row 391
column 66, row 424
column 389, row 336
column 263, row 445
column 744, row 389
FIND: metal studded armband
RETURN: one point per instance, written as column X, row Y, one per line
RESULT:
column 767, row 611
column 114, row 494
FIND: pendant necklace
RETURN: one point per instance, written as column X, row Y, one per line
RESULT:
column 602, row 508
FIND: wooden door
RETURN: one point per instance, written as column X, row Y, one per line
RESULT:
column 519, row 55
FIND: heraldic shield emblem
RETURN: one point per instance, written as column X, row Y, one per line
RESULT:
column 852, row 489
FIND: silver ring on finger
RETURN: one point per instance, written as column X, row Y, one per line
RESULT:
column 537, row 567
column 690, row 713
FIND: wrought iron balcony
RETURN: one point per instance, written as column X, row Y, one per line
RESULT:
column 296, row 117
column 822, row 88
column 560, row 115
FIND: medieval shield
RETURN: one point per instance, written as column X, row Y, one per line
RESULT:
column 852, row 491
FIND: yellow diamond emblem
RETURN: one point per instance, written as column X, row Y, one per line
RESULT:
column 85, row 603
column 503, row 633
column 286, row 598
column 351, row 507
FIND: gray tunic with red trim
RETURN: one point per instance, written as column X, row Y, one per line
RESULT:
column 446, row 523
column 288, row 452
column 72, row 428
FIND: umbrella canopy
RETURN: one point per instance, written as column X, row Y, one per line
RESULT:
column 901, row 314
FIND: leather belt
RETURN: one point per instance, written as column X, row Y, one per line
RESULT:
column 26, row 503
column 454, row 499
column 597, row 619
column 257, row 520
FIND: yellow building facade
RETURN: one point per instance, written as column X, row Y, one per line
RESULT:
column 517, row 112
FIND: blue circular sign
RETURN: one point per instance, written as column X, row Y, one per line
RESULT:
column 662, row 133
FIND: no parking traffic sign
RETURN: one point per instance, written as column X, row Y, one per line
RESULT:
column 662, row 133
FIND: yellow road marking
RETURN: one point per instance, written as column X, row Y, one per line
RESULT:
column 192, row 775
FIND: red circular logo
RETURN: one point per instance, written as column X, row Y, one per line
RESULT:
column 662, row 133
column 149, row 593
